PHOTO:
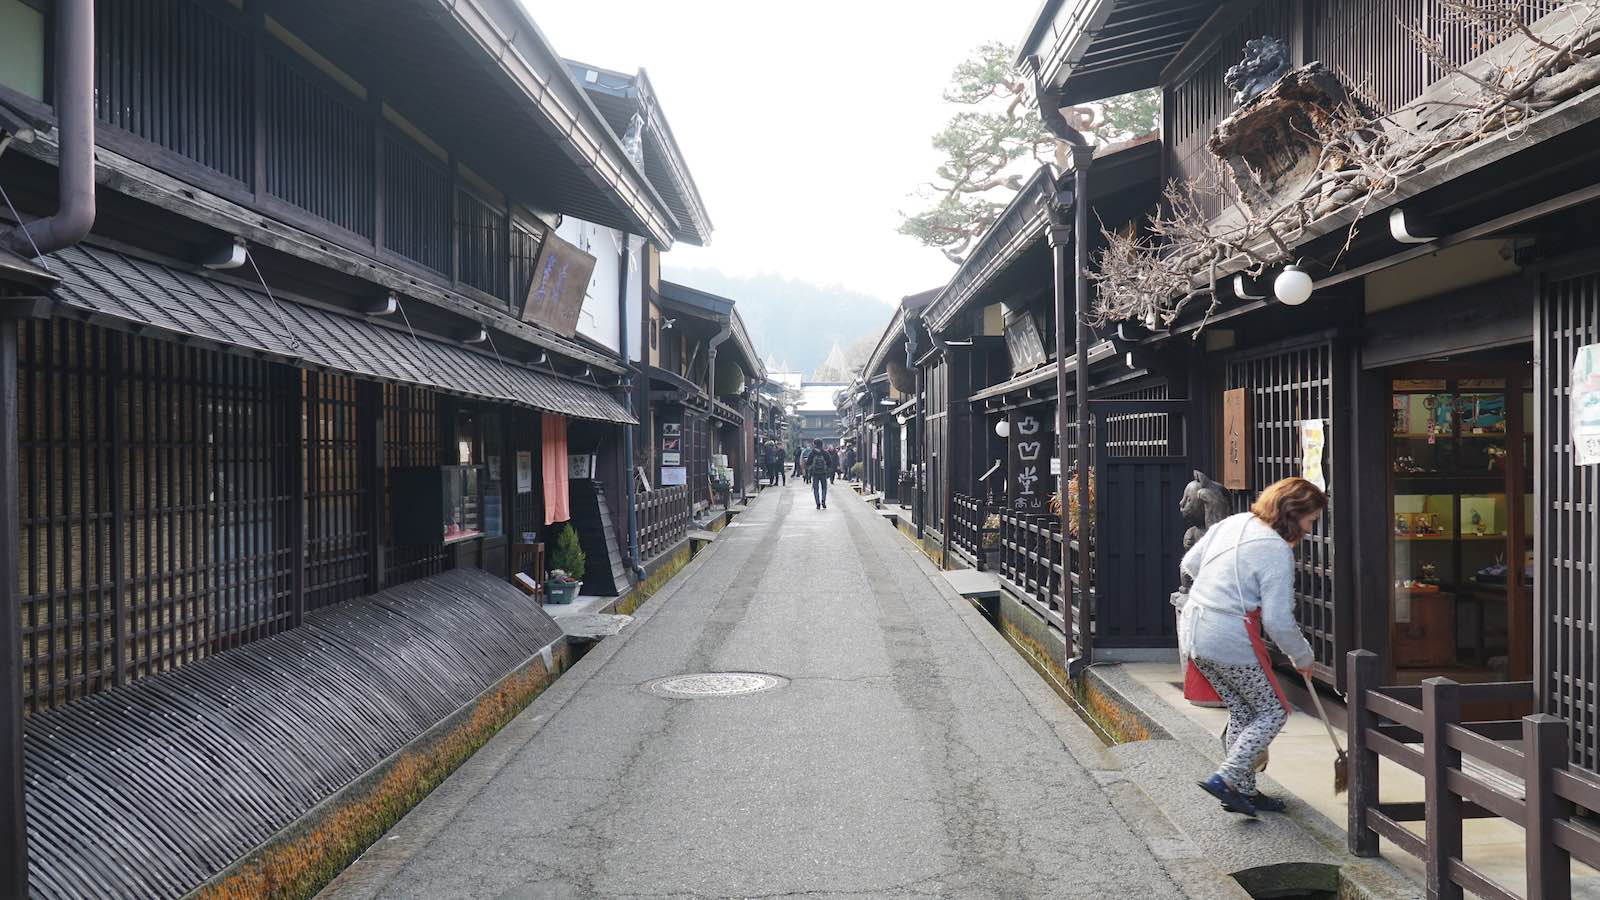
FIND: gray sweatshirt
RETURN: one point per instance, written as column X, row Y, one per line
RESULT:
column 1241, row 565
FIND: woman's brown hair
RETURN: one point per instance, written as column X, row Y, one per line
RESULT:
column 1284, row 503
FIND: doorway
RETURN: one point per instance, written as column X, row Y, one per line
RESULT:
column 1460, row 503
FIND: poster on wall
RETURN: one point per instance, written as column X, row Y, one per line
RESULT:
column 1236, row 439
column 580, row 466
column 671, row 459
column 1313, row 440
column 1027, row 484
column 1586, row 406
column 524, row 471
column 671, row 475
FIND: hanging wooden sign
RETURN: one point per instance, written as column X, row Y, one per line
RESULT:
column 1236, row 439
column 560, row 279
column 1023, row 344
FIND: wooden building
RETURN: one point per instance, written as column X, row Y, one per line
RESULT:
column 1415, row 328
column 704, row 373
column 303, row 329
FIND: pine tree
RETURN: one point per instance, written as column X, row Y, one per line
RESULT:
column 569, row 556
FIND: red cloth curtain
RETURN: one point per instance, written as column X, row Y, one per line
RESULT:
column 554, row 450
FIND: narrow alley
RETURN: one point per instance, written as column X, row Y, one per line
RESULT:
column 907, row 750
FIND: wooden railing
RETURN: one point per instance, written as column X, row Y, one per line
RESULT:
column 1470, row 770
column 663, row 519
column 1030, row 549
column 970, row 535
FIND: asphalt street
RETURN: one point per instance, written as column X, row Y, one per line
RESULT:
column 909, row 751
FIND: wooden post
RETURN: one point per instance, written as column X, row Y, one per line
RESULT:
column 1441, row 707
column 14, row 846
column 1363, row 667
column 295, row 399
column 1545, row 747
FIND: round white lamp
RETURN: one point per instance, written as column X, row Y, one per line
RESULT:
column 1292, row 287
column 1002, row 428
column 900, row 419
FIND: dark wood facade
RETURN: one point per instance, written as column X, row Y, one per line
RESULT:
column 1456, row 549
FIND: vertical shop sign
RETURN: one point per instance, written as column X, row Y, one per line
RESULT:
column 1027, row 479
column 1313, row 441
column 1236, row 439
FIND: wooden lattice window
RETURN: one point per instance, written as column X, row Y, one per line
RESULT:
column 155, row 506
column 1287, row 387
column 337, row 447
column 318, row 147
column 176, row 74
column 416, row 204
column 411, row 438
column 1567, row 535
column 65, row 407
column 481, row 235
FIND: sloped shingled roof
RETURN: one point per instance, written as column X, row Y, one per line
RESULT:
column 101, row 282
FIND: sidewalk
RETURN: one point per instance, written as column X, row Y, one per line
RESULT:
column 906, row 751
column 1302, row 762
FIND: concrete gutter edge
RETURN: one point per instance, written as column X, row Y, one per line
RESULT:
column 1364, row 879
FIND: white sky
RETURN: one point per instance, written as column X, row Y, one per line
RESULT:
column 806, row 126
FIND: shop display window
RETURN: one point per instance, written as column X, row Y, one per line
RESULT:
column 1455, row 530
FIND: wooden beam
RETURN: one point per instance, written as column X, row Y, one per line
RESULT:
column 141, row 182
column 14, row 846
column 1198, row 49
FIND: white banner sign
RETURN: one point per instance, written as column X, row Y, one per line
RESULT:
column 1313, row 440
column 1586, row 406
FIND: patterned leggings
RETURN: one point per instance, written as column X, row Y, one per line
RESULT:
column 1255, row 716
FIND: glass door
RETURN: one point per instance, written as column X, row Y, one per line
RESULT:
column 1461, row 602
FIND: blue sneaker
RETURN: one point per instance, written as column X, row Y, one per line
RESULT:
column 1232, row 799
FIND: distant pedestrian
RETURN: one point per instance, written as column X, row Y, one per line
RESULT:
column 1243, row 571
column 819, row 470
column 772, row 461
column 833, row 463
column 799, row 452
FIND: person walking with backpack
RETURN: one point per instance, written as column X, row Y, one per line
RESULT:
column 818, row 469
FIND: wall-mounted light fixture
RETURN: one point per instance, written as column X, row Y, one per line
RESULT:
column 1002, row 428
column 1293, row 286
column 900, row 419
column 475, row 337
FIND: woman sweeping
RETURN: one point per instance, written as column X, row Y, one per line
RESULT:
column 1243, row 570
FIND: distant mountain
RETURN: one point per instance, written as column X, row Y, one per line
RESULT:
column 794, row 322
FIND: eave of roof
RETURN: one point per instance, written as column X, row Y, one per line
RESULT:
column 1093, row 49
column 1117, row 167
column 619, row 96
column 506, row 34
column 894, row 332
column 706, row 305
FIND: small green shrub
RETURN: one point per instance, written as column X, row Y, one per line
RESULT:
column 857, row 469
column 569, row 556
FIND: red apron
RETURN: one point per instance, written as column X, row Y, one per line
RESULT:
column 1196, row 689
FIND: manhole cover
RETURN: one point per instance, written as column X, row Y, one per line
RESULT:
column 713, row 684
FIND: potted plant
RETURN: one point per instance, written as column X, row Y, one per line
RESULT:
column 566, row 574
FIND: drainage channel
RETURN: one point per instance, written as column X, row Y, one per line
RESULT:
column 1043, row 667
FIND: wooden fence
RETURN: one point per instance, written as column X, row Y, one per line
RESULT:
column 1514, row 769
column 970, row 534
column 663, row 519
column 1030, row 550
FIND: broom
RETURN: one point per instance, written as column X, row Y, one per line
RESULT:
column 1341, row 763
